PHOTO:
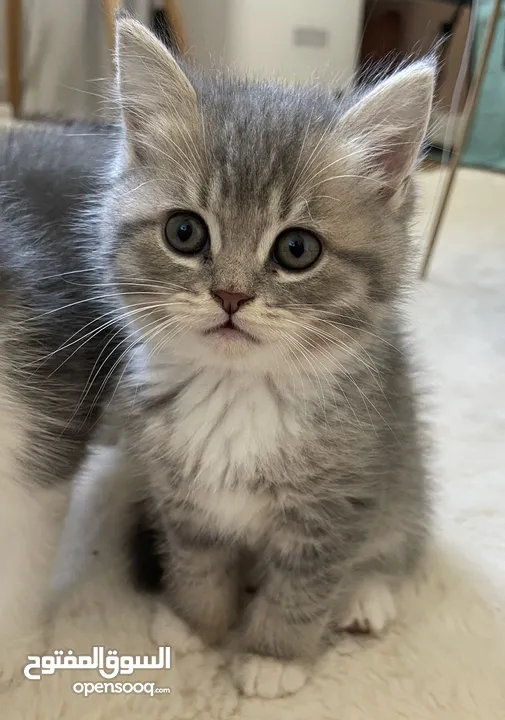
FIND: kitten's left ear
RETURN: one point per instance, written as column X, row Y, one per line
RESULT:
column 149, row 79
column 388, row 124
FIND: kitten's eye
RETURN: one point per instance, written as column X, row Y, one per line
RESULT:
column 186, row 233
column 296, row 250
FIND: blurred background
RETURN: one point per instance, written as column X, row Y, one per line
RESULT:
column 55, row 55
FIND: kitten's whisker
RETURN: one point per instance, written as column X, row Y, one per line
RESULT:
column 93, row 333
column 179, row 160
column 146, row 337
column 168, row 339
column 91, row 299
column 158, row 284
column 337, row 323
column 137, row 187
column 120, row 379
column 331, row 164
column 349, row 377
column 368, row 178
column 328, row 372
column 326, row 197
column 346, row 372
column 332, row 340
column 155, row 289
column 373, row 370
column 93, row 377
column 291, row 348
column 69, row 272
column 296, row 344
column 289, row 364
column 365, row 398
column 204, row 138
column 120, row 279
column 105, row 98
column 319, row 145
column 180, row 154
column 87, row 336
column 293, row 176
column 71, row 305
column 139, row 335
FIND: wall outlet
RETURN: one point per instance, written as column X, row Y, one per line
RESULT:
column 310, row 37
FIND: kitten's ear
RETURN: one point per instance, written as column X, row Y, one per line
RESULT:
column 149, row 79
column 388, row 124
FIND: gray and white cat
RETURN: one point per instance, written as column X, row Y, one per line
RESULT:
column 59, row 347
column 261, row 235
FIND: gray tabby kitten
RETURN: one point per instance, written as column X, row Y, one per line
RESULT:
column 59, row 343
column 271, row 407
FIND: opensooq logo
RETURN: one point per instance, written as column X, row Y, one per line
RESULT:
column 109, row 664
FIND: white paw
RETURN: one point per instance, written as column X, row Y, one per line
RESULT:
column 372, row 608
column 168, row 629
column 267, row 677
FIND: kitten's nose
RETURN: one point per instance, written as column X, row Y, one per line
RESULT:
column 231, row 301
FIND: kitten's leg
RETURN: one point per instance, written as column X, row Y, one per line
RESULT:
column 31, row 520
column 371, row 608
column 202, row 581
column 370, row 589
column 170, row 630
column 285, row 622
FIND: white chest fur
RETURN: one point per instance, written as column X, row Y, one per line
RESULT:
column 228, row 430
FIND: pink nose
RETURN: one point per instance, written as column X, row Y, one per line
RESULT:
column 231, row 301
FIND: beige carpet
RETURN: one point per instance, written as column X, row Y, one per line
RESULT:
column 445, row 657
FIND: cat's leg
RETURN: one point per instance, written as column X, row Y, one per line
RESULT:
column 367, row 601
column 285, row 622
column 371, row 607
column 202, row 584
column 31, row 521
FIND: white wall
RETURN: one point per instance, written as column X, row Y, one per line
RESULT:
column 205, row 25
column 262, row 38
column 258, row 36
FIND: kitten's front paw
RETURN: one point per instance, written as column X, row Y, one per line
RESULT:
column 372, row 608
column 170, row 630
column 267, row 677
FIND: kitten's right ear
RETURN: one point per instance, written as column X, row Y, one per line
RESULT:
column 388, row 124
column 150, row 81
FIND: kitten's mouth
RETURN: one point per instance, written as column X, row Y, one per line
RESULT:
column 229, row 330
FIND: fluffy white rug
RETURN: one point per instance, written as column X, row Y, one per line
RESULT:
column 445, row 657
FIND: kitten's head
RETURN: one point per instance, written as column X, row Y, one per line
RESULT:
column 256, row 223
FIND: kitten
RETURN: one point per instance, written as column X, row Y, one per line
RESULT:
column 269, row 410
column 59, row 343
